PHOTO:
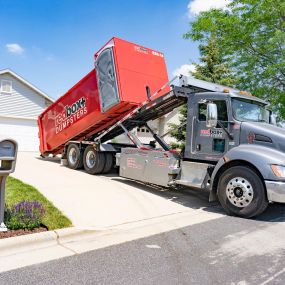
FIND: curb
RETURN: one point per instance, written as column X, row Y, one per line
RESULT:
column 12, row 245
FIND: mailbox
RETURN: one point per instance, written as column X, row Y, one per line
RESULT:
column 8, row 155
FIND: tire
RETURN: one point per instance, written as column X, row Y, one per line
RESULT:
column 241, row 192
column 108, row 162
column 74, row 156
column 93, row 160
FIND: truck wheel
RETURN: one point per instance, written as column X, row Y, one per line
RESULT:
column 74, row 157
column 241, row 192
column 108, row 162
column 93, row 161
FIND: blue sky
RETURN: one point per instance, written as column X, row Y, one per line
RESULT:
column 52, row 43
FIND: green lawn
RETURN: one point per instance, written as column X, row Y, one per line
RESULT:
column 17, row 191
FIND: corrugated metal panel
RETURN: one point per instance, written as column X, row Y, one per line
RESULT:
column 22, row 102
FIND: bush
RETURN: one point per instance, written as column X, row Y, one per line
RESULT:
column 24, row 215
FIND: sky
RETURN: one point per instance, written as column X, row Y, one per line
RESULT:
column 51, row 43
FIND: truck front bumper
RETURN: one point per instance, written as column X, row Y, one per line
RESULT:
column 275, row 191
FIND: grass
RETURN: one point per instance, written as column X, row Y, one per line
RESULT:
column 17, row 191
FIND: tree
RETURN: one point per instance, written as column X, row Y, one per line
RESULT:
column 250, row 35
column 178, row 131
column 212, row 68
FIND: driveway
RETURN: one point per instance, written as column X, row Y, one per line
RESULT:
column 102, row 201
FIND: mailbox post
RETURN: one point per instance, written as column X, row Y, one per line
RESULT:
column 8, row 155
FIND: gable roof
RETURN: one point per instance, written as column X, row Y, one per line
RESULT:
column 21, row 79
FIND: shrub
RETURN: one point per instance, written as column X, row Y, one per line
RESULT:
column 24, row 215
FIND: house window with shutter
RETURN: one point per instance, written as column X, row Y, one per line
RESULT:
column 6, row 86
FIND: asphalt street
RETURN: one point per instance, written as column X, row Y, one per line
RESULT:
column 226, row 250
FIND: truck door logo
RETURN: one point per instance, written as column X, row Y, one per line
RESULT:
column 211, row 133
column 70, row 114
column 205, row 133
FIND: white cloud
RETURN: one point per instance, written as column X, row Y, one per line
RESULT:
column 184, row 69
column 197, row 6
column 14, row 48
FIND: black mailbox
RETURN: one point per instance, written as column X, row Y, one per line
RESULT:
column 8, row 155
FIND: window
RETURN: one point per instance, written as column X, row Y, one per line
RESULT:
column 221, row 107
column 6, row 86
column 249, row 110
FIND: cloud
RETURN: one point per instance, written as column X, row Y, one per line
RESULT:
column 15, row 48
column 197, row 6
column 184, row 69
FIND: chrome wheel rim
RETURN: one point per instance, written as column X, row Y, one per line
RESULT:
column 72, row 155
column 90, row 159
column 239, row 192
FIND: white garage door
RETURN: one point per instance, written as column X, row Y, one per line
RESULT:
column 25, row 132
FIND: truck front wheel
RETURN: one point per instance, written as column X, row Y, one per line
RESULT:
column 93, row 160
column 241, row 192
column 74, row 156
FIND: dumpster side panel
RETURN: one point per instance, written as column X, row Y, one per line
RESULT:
column 76, row 114
column 64, row 119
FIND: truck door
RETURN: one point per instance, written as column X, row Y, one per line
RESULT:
column 209, row 143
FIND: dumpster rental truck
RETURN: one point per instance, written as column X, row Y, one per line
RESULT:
column 233, row 147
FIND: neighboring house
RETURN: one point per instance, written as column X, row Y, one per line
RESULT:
column 20, row 104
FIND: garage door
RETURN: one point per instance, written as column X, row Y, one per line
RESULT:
column 25, row 132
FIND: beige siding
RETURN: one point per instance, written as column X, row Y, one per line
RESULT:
column 22, row 102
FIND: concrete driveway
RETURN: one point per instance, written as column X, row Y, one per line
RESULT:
column 100, row 202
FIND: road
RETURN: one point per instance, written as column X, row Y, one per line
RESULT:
column 226, row 250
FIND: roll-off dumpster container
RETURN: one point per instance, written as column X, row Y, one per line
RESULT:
column 123, row 72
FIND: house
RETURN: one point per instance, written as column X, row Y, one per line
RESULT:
column 20, row 104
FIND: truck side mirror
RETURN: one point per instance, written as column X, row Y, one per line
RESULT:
column 212, row 115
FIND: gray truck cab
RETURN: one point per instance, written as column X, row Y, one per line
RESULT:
column 233, row 149
column 210, row 143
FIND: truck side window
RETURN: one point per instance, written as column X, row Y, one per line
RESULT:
column 222, row 111
column 202, row 112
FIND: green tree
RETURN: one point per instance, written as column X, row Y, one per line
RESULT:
column 212, row 68
column 250, row 35
column 178, row 131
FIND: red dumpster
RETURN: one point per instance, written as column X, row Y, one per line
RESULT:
column 123, row 71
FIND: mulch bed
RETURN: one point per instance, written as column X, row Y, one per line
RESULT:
column 14, row 233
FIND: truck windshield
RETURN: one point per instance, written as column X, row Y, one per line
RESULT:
column 249, row 110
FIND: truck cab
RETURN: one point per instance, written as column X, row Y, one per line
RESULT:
column 209, row 142
column 234, row 149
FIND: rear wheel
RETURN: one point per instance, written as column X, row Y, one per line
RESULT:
column 74, row 157
column 108, row 162
column 93, row 160
column 241, row 192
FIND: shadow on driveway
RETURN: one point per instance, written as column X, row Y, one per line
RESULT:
column 192, row 198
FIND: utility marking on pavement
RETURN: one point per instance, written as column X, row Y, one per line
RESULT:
column 153, row 246
column 273, row 277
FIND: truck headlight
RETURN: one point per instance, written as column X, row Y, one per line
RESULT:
column 278, row 170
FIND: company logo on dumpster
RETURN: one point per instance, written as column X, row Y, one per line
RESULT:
column 71, row 114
